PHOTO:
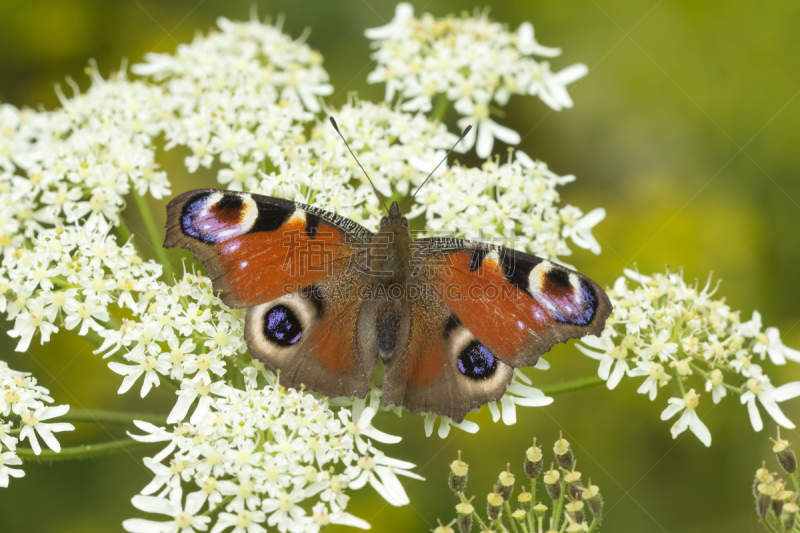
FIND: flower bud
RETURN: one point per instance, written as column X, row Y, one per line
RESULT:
column 444, row 528
column 763, row 501
column 505, row 483
column 464, row 512
column 575, row 508
column 575, row 490
column 494, row 505
column 519, row 514
column 551, row 483
column 540, row 508
column 777, row 506
column 564, row 456
column 790, row 511
column 458, row 475
column 784, row 454
column 525, row 499
column 595, row 505
column 533, row 461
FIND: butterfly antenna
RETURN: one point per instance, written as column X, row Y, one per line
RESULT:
column 336, row 127
column 464, row 134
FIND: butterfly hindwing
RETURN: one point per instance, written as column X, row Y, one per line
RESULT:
column 444, row 368
column 309, row 338
column 258, row 248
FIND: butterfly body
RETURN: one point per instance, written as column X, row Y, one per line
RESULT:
column 448, row 319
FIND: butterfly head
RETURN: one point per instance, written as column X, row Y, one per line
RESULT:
column 394, row 218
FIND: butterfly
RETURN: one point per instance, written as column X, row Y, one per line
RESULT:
column 330, row 304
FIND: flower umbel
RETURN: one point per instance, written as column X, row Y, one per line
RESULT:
column 669, row 331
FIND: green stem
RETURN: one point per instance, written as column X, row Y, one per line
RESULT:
column 221, row 506
column 557, row 507
column 533, row 504
column 153, row 233
column 704, row 375
column 122, row 229
column 769, row 526
column 442, row 103
column 475, row 515
column 499, row 526
column 110, row 417
column 563, row 526
column 61, row 282
column 84, row 451
column 510, row 518
column 793, row 475
column 594, row 525
column 95, row 340
column 574, row 385
column 678, row 382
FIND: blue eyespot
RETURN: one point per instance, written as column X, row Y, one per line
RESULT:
column 477, row 362
column 282, row 326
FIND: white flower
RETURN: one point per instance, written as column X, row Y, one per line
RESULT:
column 660, row 347
column 715, row 386
column 381, row 472
column 484, row 129
column 769, row 343
column 148, row 364
column 613, row 365
column 580, row 230
column 34, row 422
column 323, row 518
column 526, row 42
column 7, row 460
column 28, row 323
column 285, row 513
column 689, row 419
column 190, row 391
column 243, row 522
column 403, row 13
column 184, row 518
column 518, row 393
column 656, row 377
column 769, row 396
column 361, row 425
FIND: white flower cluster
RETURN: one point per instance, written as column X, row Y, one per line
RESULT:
column 71, row 278
column 266, row 456
column 665, row 330
column 471, row 61
column 243, row 453
column 513, row 204
column 25, row 415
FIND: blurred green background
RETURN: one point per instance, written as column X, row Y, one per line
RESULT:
column 685, row 130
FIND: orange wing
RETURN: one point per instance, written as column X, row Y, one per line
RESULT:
column 257, row 248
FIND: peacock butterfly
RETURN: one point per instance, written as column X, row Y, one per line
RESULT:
column 328, row 300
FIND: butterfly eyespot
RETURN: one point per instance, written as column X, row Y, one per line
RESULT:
column 216, row 217
column 282, row 326
column 476, row 361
